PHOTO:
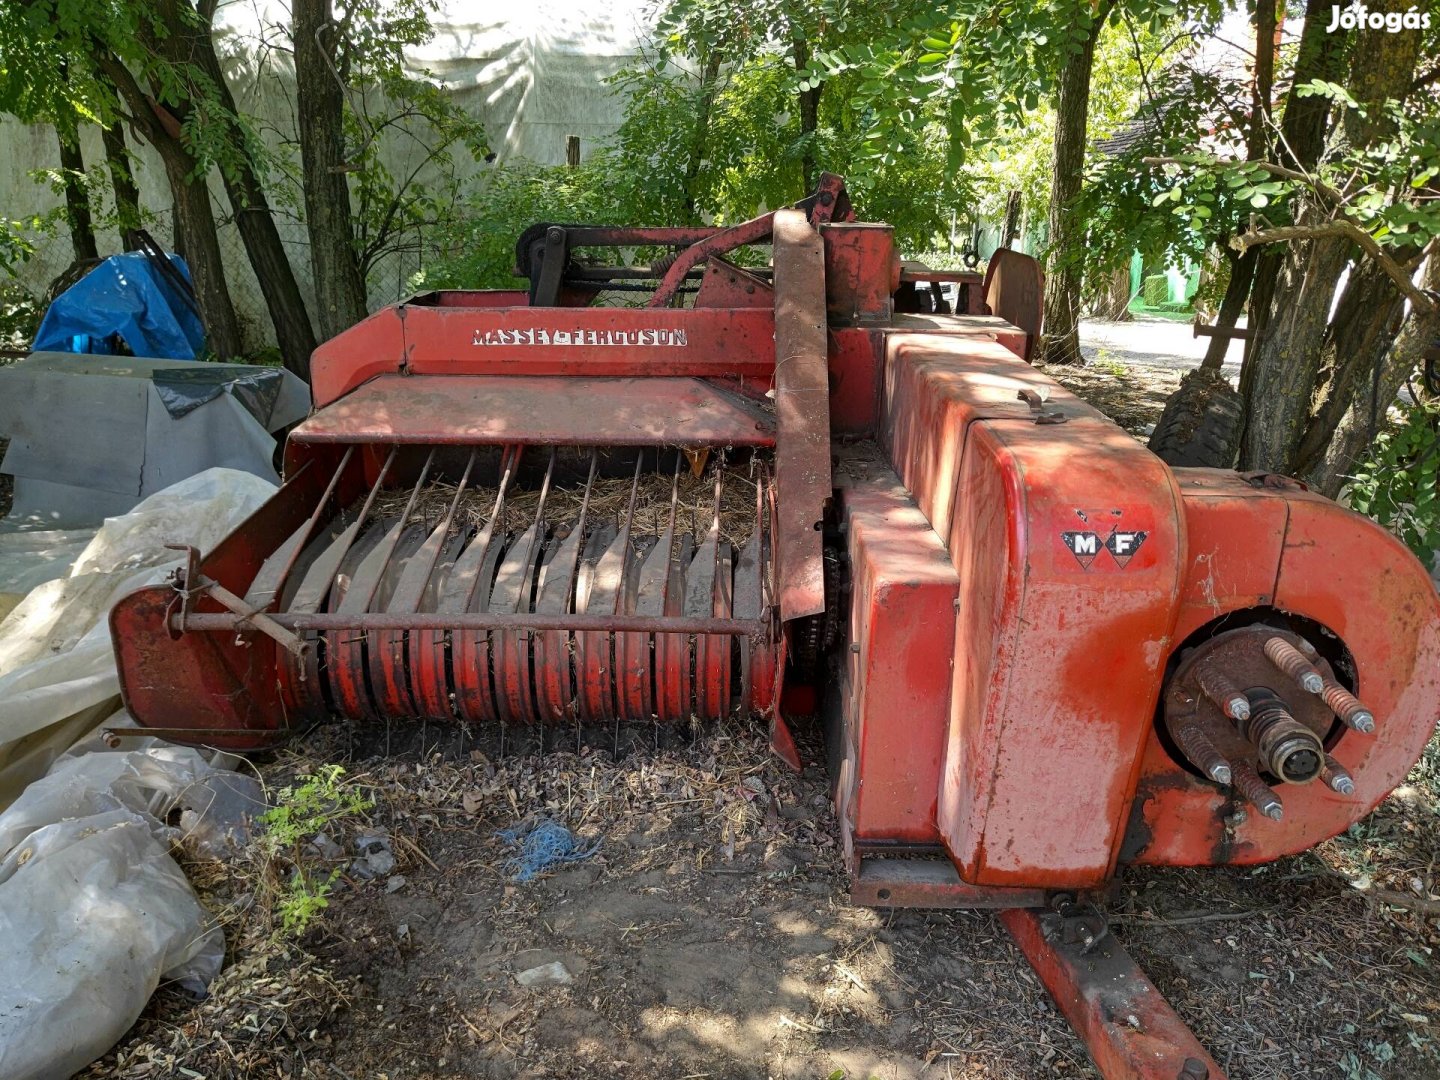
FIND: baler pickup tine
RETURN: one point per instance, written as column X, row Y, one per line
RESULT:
column 514, row 594
column 668, row 650
column 263, row 590
column 467, row 589
column 550, row 649
column 411, row 589
column 320, row 581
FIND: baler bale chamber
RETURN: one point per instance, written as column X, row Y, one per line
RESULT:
column 1040, row 653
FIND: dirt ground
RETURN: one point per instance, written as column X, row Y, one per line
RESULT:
column 709, row 935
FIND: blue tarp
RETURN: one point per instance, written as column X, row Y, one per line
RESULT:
column 125, row 297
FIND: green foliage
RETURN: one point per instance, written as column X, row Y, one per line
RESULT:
column 319, row 802
column 17, row 239
column 20, row 313
column 405, row 135
column 1383, row 185
column 1395, row 483
column 476, row 249
column 303, row 899
column 716, row 125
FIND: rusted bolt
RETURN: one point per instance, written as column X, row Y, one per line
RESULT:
column 1194, row 1069
column 1292, row 662
column 1337, row 778
column 1257, row 792
column 1348, row 708
column 1226, row 696
column 1201, row 752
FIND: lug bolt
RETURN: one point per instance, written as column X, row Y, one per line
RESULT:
column 1348, row 708
column 1201, row 752
column 1257, row 792
column 1292, row 662
column 1337, row 777
column 1224, row 694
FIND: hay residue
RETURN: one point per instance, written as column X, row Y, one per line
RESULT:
column 694, row 502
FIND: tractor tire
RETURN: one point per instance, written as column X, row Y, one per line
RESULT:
column 1200, row 427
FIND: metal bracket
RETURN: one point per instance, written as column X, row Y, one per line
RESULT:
column 1074, row 923
column 190, row 583
column 1036, row 400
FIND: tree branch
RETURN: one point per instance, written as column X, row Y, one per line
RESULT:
column 1346, row 230
column 1318, row 186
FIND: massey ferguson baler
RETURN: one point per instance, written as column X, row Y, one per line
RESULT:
column 1041, row 653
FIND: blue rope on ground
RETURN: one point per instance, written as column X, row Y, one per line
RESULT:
column 542, row 845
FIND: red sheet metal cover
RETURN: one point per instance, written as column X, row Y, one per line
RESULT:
column 897, row 678
column 1255, row 545
column 1068, row 539
column 541, row 410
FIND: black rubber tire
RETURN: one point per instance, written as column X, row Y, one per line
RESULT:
column 1200, row 427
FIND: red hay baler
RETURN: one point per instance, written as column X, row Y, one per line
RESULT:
column 1041, row 653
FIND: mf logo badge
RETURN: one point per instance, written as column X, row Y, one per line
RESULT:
column 1088, row 544
column 1123, row 545
column 1083, row 545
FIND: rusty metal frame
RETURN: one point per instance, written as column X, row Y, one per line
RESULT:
column 1130, row 1030
column 802, row 402
column 331, row 622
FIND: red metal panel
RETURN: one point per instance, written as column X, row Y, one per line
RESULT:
column 935, row 385
column 855, row 381
column 1068, row 540
column 1015, row 291
column 1352, row 577
column 902, row 628
column 207, row 680
column 534, row 410
column 977, row 327
column 597, row 342
column 862, row 272
column 726, row 285
column 369, row 348
column 1131, row 1031
column 469, row 298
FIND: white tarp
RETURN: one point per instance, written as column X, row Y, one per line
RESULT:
column 94, row 912
column 57, row 668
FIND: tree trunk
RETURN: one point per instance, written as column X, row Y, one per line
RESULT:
column 122, row 182
column 1113, row 303
column 1232, row 306
column 1281, row 392
column 1356, row 429
column 77, row 202
column 197, row 240
column 293, row 332
column 809, row 101
column 1242, row 270
column 1367, row 318
column 1321, row 55
column 1060, row 339
column 1010, row 229
column 194, row 218
column 709, row 83
column 339, row 286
